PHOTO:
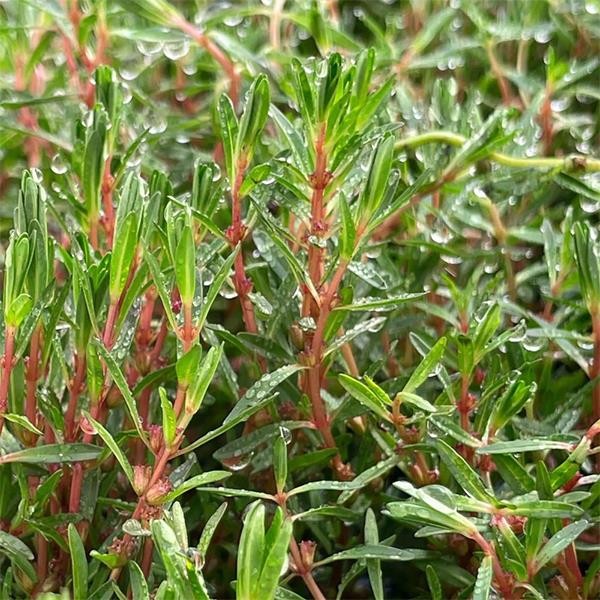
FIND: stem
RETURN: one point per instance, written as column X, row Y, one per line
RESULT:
column 574, row 162
column 318, row 180
column 107, row 202
column 32, row 376
column 499, row 75
column 545, row 120
column 236, row 234
column 74, row 391
column 315, row 373
column 220, row 57
column 595, row 367
column 9, row 349
column 504, row 580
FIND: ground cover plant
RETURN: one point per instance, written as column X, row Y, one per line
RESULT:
column 299, row 299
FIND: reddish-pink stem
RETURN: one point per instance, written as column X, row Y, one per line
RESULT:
column 9, row 349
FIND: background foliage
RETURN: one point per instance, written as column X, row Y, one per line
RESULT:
column 299, row 299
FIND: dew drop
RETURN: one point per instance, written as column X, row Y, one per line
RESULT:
column 58, row 165
column 177, row 49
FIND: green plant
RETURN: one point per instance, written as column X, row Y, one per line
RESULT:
column 299, row 298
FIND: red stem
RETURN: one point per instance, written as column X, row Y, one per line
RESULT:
column 219, row 56
column 9, row 349
column 74, row 391
column 32, row 376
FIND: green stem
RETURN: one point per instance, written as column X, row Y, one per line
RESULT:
column 573, row 162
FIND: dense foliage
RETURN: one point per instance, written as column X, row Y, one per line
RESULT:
column 300, row 299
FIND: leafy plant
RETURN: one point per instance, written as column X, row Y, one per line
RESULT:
column 299, row 299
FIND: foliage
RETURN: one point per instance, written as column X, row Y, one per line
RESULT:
column 299, row 299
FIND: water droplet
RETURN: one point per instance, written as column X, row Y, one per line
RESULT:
column 176, row 49
column 58, row 165
column 589, row 206
column 237, row 463
column 532, row 344
column 233, row 20
column 441, row 236
column 286, row 434
column 148, row 48
column 36, row 175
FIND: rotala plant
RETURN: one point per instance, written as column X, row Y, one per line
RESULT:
column 300, row 300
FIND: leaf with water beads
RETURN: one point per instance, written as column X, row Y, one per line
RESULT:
column 379, row 552
column 197, row 482
column 483, row 583
column 559, row 541
column 515, row 446
column 113, row 447
column 262, row 389
column 53, row 453
column 242, row 446
column 371, row 304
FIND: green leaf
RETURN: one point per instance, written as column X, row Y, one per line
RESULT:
column 188, row 364
column 93, row 162
column 169, row 421
column 546, row 509
column 378, row 470
column 255, row 114
column 159, row 281
column 514, row 474
column 369, row 304
column 373, row 564
column 79, row 565
column 262, row 389
column 113, row 446
column 280, row 467
column 53, row 453
column 122, row 255
column 196, row 482
column 588, row 264
column 215, row 288
column 139, row 586
column 378, row 552
column 376, row 403
column 23, row 422
column 532, row 445
column 274, row 561
column 347, row 235
column 18, row 552
column 228, row 125
column 466, row 477
column 185, row 266
column 251, row 551
column 204, row 376
column 433, row 581
column 377, row 178
column 426, row 366
column 559, row 541
column 18, row 310
column 210, row 528
column 483, row 583
column 337, row 486
column 295, row 142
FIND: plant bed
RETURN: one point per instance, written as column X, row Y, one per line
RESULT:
column 300, row 300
